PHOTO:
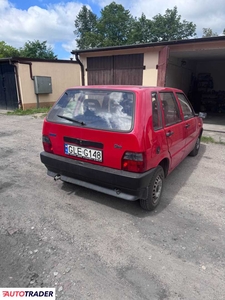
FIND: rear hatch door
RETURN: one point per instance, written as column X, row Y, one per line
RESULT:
column 95, row 126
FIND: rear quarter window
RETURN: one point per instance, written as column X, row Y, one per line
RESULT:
column 156, row 113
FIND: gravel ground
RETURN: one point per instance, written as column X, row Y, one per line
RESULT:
column 92, row 246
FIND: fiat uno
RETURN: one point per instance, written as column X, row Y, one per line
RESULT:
column 120, row 140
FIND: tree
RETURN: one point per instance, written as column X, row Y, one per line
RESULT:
column 169, row 27
column 207, row 32
column 37, row 49
column 111, row 29
column 114, row 25
column 86, row 29
column 7, row 50
column 141, row 31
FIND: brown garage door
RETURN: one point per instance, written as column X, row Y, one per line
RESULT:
column 100, row 70
column 118, row 69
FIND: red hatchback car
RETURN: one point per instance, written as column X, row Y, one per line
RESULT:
column 120, row 140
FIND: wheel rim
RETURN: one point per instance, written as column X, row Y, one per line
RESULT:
column 157, row 189
column 198, row 143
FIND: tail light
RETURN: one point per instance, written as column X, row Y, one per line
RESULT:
column 47, row 145
column 134, row 162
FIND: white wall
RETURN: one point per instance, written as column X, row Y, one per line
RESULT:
column 63, row 75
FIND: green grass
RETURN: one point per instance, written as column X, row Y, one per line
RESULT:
column 209, row 139
column 20, row 112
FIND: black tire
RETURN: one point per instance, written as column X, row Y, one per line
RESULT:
column 155, row 190
column 194, row 152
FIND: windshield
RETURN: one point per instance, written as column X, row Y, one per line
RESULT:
column 101, row 109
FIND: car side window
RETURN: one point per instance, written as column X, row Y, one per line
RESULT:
column 170, row 108
column 156, row 113
column 185, row 106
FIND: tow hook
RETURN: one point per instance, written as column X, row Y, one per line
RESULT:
column 57, row 177
column 117, row 191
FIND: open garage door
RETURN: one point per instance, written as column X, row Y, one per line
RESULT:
column 118, row 69
column 162, row 66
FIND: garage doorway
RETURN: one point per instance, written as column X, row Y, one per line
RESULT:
column 200, row 74
column 117, row 69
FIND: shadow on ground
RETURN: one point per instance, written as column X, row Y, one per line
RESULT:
column 180, row 175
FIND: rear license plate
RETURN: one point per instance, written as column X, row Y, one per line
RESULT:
column 87, row 153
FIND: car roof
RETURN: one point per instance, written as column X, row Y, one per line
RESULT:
column 127, row 87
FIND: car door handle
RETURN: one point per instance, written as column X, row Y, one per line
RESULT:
column 187, row 125
column 169, row 133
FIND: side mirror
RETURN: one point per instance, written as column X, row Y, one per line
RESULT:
column 202, row 115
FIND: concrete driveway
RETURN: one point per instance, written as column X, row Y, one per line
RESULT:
column 92, row 246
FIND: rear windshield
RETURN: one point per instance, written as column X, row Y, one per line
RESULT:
column 100, row 109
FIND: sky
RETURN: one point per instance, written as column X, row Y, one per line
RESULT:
column 53, row 20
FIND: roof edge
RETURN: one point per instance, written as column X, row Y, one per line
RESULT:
column 155, row 44
column 28, row 59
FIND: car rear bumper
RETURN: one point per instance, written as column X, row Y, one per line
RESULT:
column 126, row 185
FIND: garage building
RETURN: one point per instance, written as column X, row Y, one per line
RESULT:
column 197, row 66
column 29, row 83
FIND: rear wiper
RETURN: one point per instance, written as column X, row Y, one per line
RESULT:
column 71, row 119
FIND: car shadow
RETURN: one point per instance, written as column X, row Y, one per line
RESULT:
column 180, row 175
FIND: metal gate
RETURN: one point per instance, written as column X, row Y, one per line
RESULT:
column 117, row 69
column 8, row 90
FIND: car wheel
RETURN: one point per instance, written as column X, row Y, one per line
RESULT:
column 194, row 152
column 155, row 190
